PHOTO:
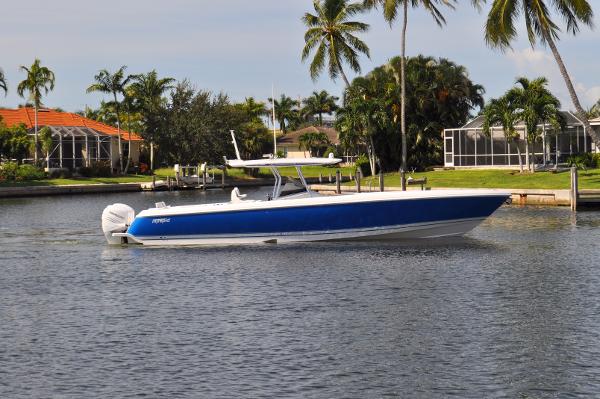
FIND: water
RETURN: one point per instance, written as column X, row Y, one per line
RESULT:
column 512, row 310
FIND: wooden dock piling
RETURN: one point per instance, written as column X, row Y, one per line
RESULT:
column 338, row 188
column 574, row 192
column 402, row 179
column 380, row 180
column 358, row 176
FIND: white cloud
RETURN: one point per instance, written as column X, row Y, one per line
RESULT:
column 533, row 63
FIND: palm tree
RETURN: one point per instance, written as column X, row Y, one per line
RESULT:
column 3, row 84
column 285, row 111
column 390, row 12
column 313, row 141
column 148, row 90
column 320, row 103
column 114, row 84
column 38, row 79
column 254, row 109
column 536, row 105
column 500, row 31
column 504, row 112
column 333, row 36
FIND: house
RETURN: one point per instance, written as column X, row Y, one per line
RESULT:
column 290, row 142
column 468, row 146
column 76, row 141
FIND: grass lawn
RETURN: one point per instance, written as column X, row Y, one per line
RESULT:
column 588, row 179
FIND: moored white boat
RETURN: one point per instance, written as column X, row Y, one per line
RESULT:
column 307, row 216
column 367, row 216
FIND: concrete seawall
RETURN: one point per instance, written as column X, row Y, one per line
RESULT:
column 558, row 197
column 35, row 191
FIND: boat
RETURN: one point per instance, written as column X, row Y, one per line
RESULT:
column 305, row 216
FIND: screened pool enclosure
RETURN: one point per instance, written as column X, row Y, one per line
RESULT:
column 469, row 146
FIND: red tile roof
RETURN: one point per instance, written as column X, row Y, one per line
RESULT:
column 50, row 117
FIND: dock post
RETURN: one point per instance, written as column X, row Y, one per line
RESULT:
column 223, row 178
column 320, row 177
column 380, row 180
column 204, row 179
column 169, row 182
column 403, row 179
column 330, row 178
column 153, row 182
column 574, row 193
column 338, row 188
column 357, row 176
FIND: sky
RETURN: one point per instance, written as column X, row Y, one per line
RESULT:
column 243, row 47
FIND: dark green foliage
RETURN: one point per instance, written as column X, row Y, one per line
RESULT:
column 11, row 171
column 29, row 172
column 587, row 160
column 197, row 124
column 96, row 169
column 439, row 95
column 362, row 163
column 15, row 143
column 63, row 173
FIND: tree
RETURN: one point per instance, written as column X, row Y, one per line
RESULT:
column 148, row 90
column 114, row 84
column 594, row 111
column 3, row 84
column 500, row 31
column 286, row 111
column 14, row 142
column 536, row 105
column 503, row 111
column 39, row 78
column 439, row 94
column 314, row 142
column 46, row 143
column 333, row 36
column 390, row 12
column 319, row 103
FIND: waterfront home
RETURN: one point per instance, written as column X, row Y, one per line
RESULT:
column 76, row 141
column 291, row 142
column 468, row 146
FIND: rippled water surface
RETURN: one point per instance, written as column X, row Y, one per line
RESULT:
column 511, row 310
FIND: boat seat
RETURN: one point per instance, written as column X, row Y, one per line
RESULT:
column 236, row 196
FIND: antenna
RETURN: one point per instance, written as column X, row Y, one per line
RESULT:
column 237, row 152
column 274, row 135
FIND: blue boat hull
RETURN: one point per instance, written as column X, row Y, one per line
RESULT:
column 382, row 219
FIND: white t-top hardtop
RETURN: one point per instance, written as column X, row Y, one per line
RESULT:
column 317, row 200
column 279, row 162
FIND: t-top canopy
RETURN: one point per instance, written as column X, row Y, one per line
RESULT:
column 280, row 162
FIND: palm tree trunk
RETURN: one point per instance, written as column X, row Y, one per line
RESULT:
column 527, row 150
column 565, row 74
column 403, row 84
column 119, row 135
column 128, row 143
column 371, row 155
column 520, row 158
column 35, row 140
column 339, row 64
column 152, row 156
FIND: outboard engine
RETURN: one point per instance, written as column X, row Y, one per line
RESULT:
column 116, row 218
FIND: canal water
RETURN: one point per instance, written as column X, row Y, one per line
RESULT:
column 511, row 310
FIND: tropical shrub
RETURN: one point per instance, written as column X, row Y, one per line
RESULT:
column 8, row 171
column 96, row 169
column 362, row 163
column 11, row 171
column 29, row 172
column 62, row 173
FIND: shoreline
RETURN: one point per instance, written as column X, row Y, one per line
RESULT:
column 548, row 197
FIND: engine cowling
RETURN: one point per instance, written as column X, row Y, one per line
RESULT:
column 116, row 218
